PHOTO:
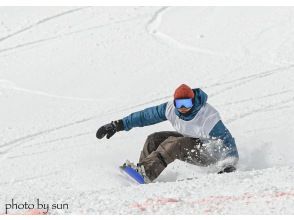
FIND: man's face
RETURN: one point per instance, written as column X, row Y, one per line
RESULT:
column 184, row 110
column 183, row 105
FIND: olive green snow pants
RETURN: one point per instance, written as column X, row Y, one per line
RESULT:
column 162, row 148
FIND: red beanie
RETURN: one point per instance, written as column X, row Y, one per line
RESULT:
column 183, row 91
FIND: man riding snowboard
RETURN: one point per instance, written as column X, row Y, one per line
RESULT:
column 200, row 138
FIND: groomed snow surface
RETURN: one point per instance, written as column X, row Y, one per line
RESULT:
column 66, row 71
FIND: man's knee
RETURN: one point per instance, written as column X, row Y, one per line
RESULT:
column 153, row 136
column 180, row 143
column 152, row 141
column 176, row 148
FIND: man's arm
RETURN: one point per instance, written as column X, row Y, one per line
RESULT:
column 148, row 116
column 219, row 131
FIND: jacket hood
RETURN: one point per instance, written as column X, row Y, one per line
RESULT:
column 200, row 100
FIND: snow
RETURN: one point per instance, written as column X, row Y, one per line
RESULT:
column 65, row 71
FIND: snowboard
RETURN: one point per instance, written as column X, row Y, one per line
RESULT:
column 132, row 174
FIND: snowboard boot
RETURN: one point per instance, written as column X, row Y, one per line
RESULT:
column 227, row 169
column 139, row 168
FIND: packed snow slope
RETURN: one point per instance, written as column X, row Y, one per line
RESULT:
column 66, row 71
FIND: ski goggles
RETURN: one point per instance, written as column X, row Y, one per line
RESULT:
column 183, row 103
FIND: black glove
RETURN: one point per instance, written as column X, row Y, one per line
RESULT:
column 110, row 129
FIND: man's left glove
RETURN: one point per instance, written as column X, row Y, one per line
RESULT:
column 110, row 129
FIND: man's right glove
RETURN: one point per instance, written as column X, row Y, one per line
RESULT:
column 110, row 129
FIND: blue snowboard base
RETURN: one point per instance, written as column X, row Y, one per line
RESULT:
column 132, row 173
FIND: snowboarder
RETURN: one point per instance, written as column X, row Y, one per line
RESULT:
column 200, row 138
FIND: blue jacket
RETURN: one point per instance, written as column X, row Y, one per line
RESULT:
column 156, row 114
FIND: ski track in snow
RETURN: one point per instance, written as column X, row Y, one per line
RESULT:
column 40, row 22
column 265, row 108
column 71, row 33
column 40, row 144
column 244, row 80
column 152, row 28
column 21, row 140
column 241, row 101
column 9, row 85
column 253, row 76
